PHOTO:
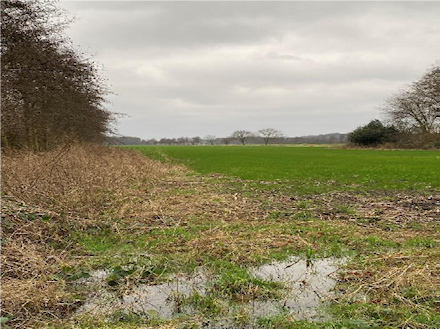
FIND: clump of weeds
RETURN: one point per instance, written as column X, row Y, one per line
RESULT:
column 236, row 284
column 208, row 305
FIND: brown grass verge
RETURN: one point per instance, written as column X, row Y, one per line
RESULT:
column 81, row 180
column 48, row 195
column 45, row 196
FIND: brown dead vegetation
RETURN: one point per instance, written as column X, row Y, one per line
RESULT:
column 48, row 195
column 81, row 180
column 397, row 208
column 411, row 281
column 29, row 261
column 45, row 196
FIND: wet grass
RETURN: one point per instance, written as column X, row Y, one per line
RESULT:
column 236, row 284
column 151, row 228
column 226, row 251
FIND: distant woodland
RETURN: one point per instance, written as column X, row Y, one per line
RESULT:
column 334, row 138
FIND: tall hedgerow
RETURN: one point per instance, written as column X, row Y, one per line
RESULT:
column 50, row 92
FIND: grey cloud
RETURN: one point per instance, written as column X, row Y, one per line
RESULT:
column 198, row 68
column 170, row 24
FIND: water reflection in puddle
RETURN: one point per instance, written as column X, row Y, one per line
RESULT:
column 149, row 299
column 307, row 286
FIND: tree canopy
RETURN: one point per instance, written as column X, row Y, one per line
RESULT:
column 50, row 92
column 242, row 135
column 417, row 107
column 269, row 134
column 372, row 134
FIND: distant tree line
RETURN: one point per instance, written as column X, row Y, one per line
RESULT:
column 50, row 92
column 334, row 138
column 412, row 117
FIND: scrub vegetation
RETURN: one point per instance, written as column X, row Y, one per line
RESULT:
column 71, row 212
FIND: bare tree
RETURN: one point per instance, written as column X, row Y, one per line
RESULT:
column 196, row 140
column 417, row 107
column 242, row 135
column 269, row 134
column 210, row 139
column 50, row 93
column 226, row 140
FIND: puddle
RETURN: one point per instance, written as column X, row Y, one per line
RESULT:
column 307, row 286
column 150, row 299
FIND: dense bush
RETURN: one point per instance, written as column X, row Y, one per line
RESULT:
column 373, row 134
column 418, row 140
column 50, row 92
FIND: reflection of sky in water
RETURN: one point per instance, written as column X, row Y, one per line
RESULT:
column 307, row 286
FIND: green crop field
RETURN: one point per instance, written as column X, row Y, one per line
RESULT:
column 311, row 169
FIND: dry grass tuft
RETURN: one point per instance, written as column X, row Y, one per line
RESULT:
column 45, row 197
column 25, row 298
column 409, row 280
column 77, row 179
column 240, row 247
column 29, row 261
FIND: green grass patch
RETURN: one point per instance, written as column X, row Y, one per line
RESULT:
column 310, row 169
column 236, row 284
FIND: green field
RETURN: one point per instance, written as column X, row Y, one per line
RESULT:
column 311, row 169
column 127, row 226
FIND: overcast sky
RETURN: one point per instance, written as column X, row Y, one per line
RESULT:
column 209, row 68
